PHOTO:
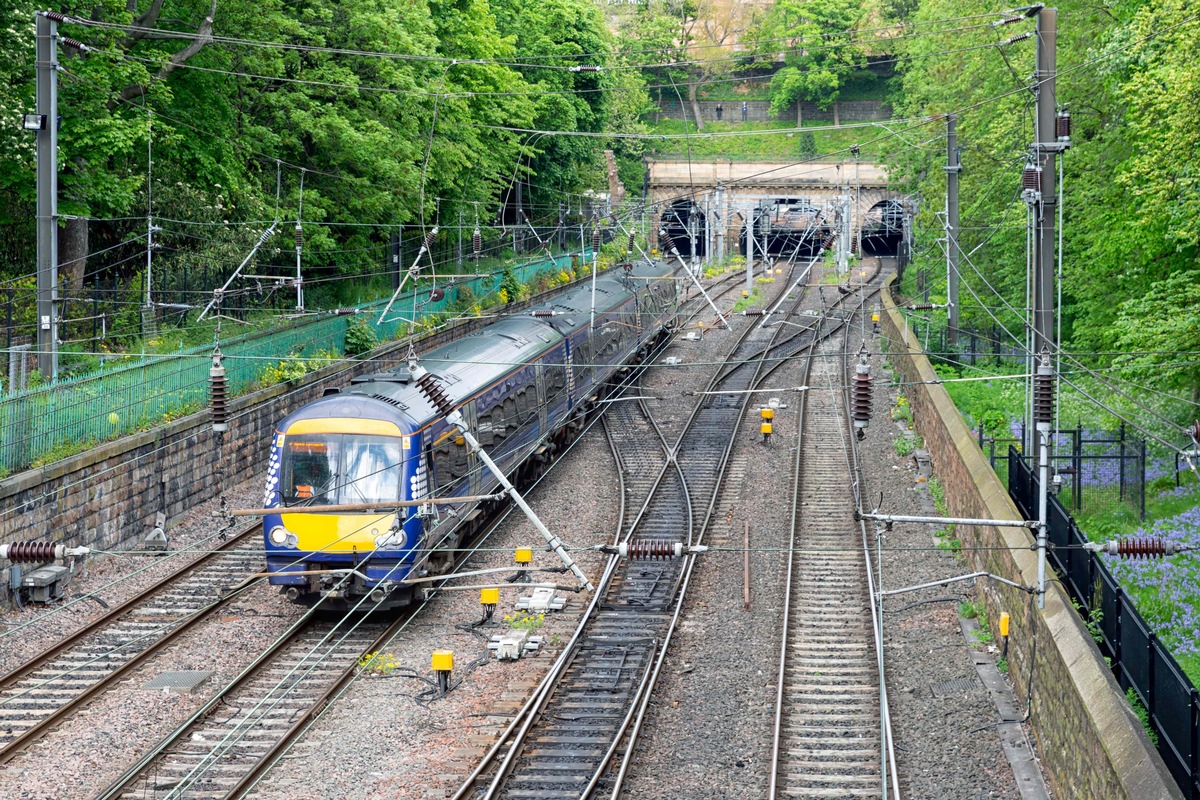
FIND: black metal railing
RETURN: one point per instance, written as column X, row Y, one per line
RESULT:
column 1138, row 659
column 1099, row 471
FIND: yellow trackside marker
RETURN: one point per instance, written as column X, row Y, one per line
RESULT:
column 443, row 661
column 766, row 429
column 1004, row 624
column 489, row 597
column 523, row 555
column 745, row 293
column 767, row 413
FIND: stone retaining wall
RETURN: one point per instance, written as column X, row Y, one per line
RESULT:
column 1090, row 742
column 107, row 497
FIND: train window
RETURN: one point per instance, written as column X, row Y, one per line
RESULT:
column 510, row 414
column 583, row 360
column 498, row 425
column 485, row 430
column 334, row 469
column 526, row 403
column 450, row 459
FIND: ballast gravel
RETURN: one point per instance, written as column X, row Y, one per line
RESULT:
column 708, row 734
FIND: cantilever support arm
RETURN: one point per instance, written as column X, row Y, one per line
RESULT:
column 455, row 418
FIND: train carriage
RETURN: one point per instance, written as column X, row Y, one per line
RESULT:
column 524, row 384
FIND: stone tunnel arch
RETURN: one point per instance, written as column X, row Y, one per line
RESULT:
column 883, row 229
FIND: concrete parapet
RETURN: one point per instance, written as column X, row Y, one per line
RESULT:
column 1089, row 740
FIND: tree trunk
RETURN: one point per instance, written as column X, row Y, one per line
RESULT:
column 695, row 106
column 72, row 255
column 799, row 113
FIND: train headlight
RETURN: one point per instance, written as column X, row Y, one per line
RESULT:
column 392, row 540
column 280, row 537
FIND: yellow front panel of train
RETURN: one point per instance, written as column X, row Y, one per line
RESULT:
column 338, row 533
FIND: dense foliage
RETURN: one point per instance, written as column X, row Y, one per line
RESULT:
column 390, row 113
column 1129, row 76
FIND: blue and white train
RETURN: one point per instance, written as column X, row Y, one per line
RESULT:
column 524, row 385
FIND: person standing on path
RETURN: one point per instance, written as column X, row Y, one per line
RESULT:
column 720, row 109
column 745, row 111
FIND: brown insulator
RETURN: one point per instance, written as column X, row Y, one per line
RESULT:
column 428, row 243
column 1043, row 393
column 645, row 550
column 1062, row 126
column 1031, row 178
column 860, row 396
column 1195, row 431
column 595, row 240
column 434, row 393
column 30, row 552
column 476, row 244
column 1139, row 548
column 437, row 294
column 218, row 395
column 632, row 241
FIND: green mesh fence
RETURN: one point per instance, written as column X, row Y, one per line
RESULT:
column 50, row 422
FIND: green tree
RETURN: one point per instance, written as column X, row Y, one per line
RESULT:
column 819, row 50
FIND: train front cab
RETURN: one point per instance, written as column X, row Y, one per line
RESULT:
column 327, row 460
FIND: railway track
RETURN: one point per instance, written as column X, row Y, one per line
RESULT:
column 585, row 716
column 233, row 737
column 59, row 680
column 231, row 743
column 830, row 726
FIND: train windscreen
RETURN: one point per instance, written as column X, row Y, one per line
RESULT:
column 340, row 469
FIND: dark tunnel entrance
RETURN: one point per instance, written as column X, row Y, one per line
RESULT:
column 682, row 224
column 789, row 227
column 883, row 229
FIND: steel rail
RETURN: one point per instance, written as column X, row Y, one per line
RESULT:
column 854, row 464
column 797, row 483
column 762, row 371
column 14, row 746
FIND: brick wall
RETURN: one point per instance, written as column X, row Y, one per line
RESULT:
column 107, row 497
column 760, row 111
column 1090, row 743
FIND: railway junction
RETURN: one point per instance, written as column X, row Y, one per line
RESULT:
column 754, row 664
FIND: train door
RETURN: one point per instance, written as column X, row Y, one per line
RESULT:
column 543, row 397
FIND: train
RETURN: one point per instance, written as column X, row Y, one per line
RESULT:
column 525, row 384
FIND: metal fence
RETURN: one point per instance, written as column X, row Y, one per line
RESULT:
column 1139, row 661
column 139, row 392
column 1100, row 471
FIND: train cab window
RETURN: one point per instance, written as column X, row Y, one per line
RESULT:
column 335, row 469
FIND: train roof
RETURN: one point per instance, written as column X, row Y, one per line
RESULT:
column 476, row 360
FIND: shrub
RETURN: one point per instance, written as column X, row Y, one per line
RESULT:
column 360, row 337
